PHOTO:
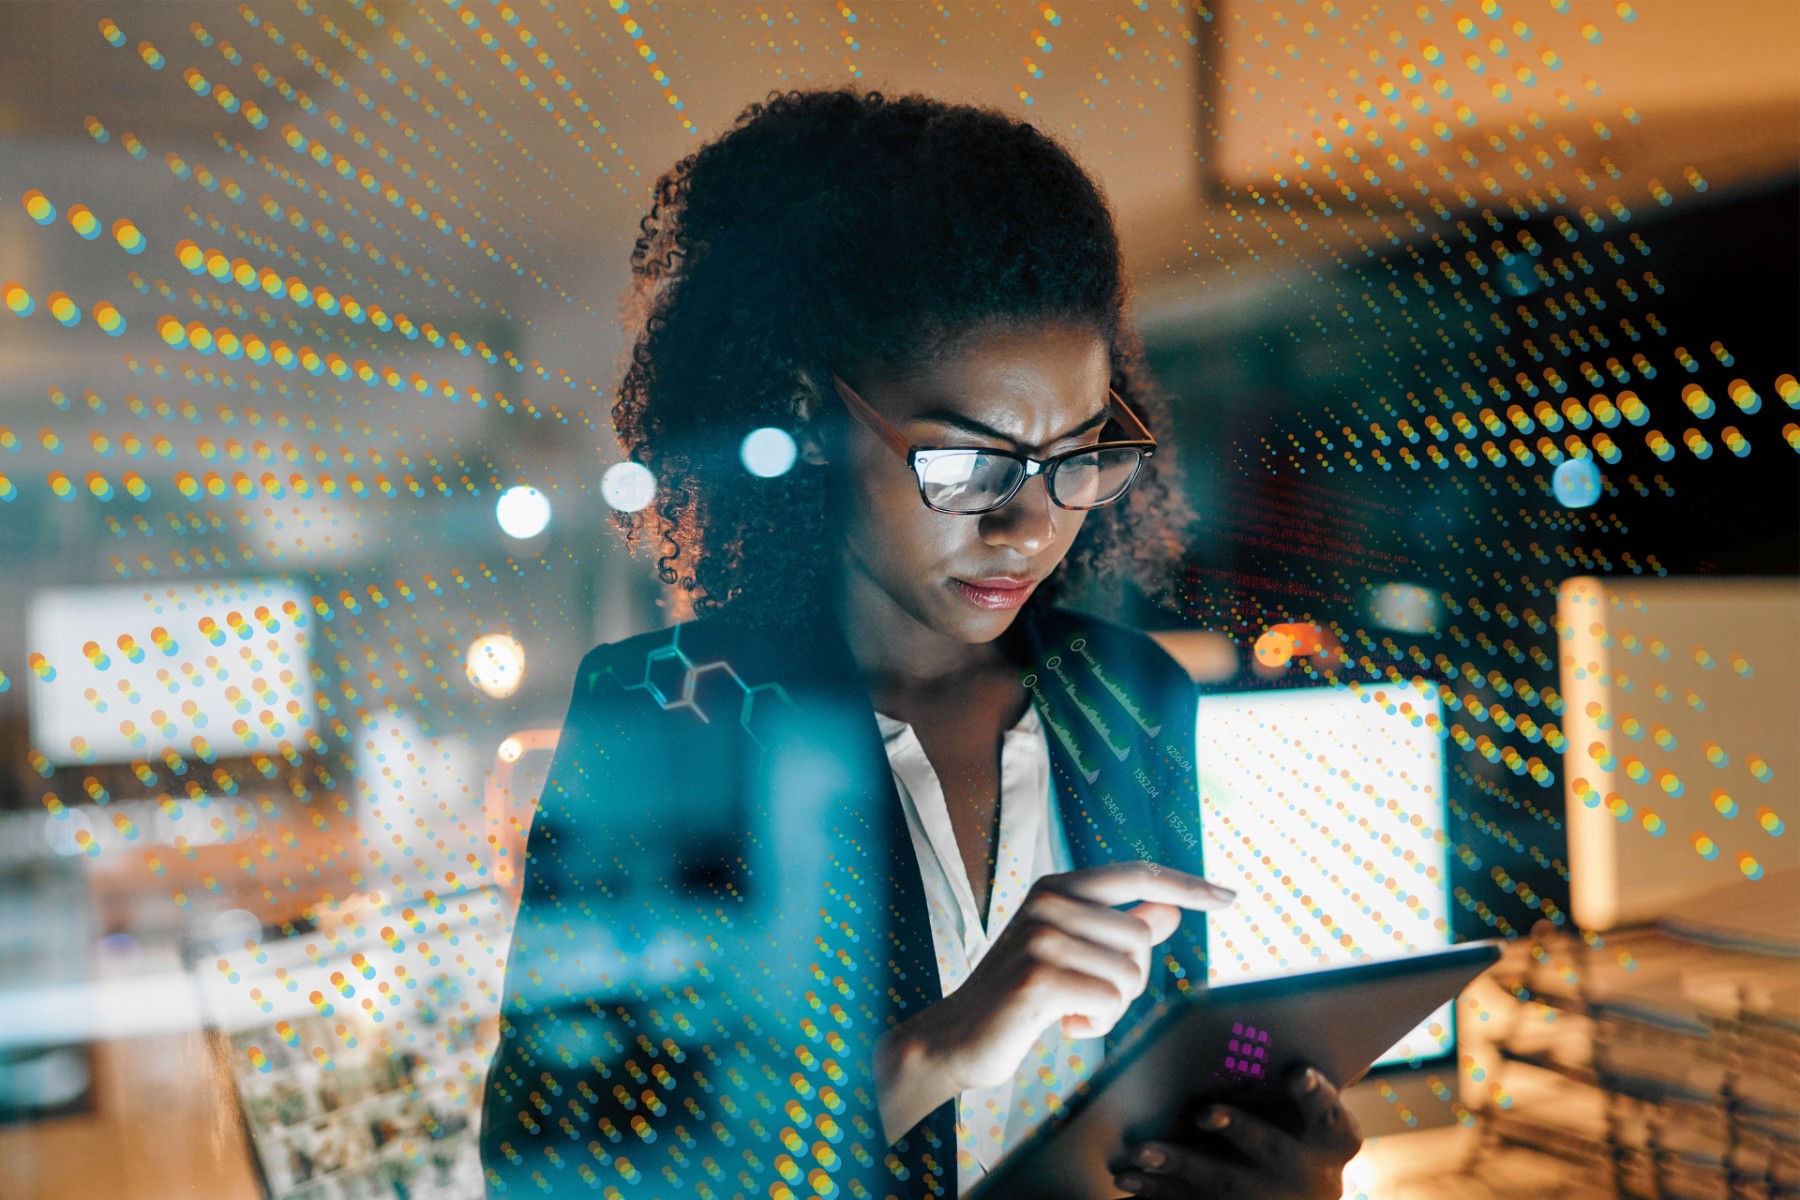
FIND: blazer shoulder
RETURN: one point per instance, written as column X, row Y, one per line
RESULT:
column 632, row 659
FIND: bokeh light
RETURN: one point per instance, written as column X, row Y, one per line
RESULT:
column 768, row 452
column 523, row 511
column 1576, row 482
column 495, row 663
column 628, row 486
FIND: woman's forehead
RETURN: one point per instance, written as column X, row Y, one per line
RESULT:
column 1028, row 397
column 1021, row 363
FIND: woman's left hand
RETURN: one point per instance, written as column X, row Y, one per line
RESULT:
column 1309, row 1166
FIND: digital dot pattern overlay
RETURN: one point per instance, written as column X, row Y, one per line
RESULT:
column 306, row 286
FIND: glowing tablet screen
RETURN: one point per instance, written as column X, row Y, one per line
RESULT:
column 1324, row 808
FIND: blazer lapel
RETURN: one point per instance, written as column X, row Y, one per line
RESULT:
column 1103, row 705
column 832, row 677
column 1090, row 755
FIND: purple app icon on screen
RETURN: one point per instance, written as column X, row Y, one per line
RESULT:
column 1247, row 1051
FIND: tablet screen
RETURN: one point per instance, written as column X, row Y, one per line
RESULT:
column 1325, row 808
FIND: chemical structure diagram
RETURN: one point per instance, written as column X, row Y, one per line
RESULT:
column 672, row 679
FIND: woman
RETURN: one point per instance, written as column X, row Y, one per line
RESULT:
column 856, row 839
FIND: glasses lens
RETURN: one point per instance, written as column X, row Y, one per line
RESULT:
column 1090, row 480
column 967, row 481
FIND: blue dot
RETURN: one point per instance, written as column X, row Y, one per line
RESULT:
column 1576, row 483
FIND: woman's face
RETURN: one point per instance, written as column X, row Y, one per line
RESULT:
column 1036, row 392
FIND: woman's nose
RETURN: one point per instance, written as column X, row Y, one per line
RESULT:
column 1026, row 523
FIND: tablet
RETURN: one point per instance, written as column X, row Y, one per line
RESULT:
column 1233, row 1043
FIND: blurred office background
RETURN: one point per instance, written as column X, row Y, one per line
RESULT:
column 1481, row 322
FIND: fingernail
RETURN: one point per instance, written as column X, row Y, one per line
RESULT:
column 1216, row 1118
column 1310, row 1080
column 1151, row 1157
column 1128, row 1181
column 1223, row 893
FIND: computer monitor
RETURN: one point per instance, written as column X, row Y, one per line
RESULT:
column 130, row 671
column 1324, row 807
column 1681, row 718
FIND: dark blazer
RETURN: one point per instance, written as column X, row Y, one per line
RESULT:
column 722, row 908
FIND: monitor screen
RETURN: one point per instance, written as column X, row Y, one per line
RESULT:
column 127, row 672
column 1325, row 809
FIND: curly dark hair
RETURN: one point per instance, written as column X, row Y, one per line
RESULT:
column 835, row 227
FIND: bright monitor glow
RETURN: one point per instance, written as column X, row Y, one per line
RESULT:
column 138, row 670
column 1324, row 808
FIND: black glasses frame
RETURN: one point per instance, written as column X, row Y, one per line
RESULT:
column 918, row 458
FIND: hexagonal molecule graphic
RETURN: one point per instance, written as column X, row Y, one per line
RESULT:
column 672, row 679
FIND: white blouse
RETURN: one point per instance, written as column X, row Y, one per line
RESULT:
column 1033, row 843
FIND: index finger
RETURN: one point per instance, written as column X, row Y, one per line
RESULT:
column 1125, row 882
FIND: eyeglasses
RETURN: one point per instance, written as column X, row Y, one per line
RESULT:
column 966, row 481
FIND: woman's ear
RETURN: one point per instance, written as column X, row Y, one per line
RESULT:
column 812, row 400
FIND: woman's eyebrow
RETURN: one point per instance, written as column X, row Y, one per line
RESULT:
column 968, row 424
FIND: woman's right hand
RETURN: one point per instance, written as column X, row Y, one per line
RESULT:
column 1067, row 954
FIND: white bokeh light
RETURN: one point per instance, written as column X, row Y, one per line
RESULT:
column 768, row 452
column 628, row 486
column 1404, row 608
column 522, row 511
column 496, row 664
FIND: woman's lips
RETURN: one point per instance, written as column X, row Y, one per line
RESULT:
column 994, row 597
